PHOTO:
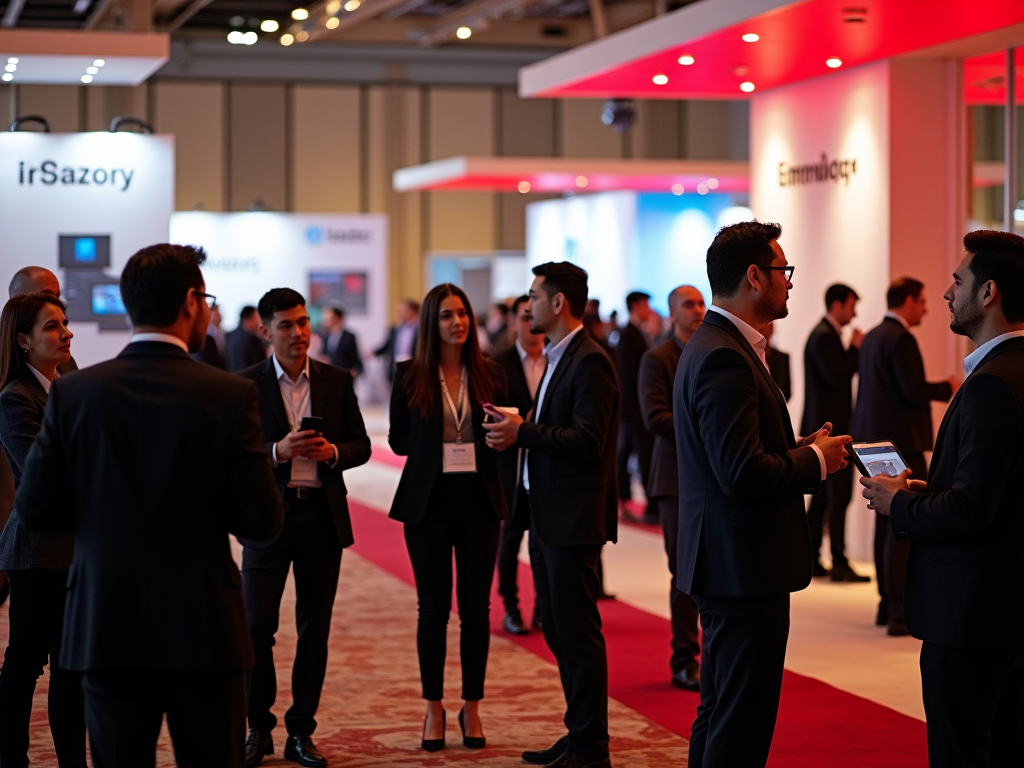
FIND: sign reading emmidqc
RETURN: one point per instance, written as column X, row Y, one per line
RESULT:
column 815, row 173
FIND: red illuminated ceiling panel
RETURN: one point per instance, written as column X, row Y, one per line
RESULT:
column 794, row 42
column 985, row 79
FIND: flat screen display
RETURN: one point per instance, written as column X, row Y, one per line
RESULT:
column 879, row 458
column 106, row 299
column 85, row 251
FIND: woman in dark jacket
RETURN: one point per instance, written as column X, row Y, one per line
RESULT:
column 34, row 340
column 449, row 497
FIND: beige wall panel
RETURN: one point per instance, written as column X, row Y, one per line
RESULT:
column 59, row 104
column 462, row 221
column 527, row 126
column 512, row 208
column 461, row 122
column 104, row 103
column 7, row 96
column 326, row 145
column 194, row 113
column 656, row 133
column 582, row 132
column 258, row 147
column 716, row 130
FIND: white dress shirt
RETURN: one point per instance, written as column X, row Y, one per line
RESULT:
column 974, row 359
column 553, row 355
column 533, row 370
column 297, row 396
column 757, row 340
column 165, row 338
column 835, row 326
column 405, row 337
column 45, row 382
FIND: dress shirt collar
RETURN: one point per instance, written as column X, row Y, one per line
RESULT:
column 835, row 326
column 163, row 338
column 280, row 372
column 751, row 334
column 45, row 382
column 554, row 353
column 896, row 317
column 974, row 359
column 522, row 352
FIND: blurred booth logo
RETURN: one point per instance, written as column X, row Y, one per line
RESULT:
column 351, row 236
column 249, row 264
column 837, row 170
column 314, row 235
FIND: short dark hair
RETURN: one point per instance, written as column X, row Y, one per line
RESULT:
column 999, row 256
column 901, row 289
column 247, row 311
column 411, row 304
column 635, row 297
column 502, row 308
column 515, row 304
column 278, row 300
column 567, row 279
column 156, row 280
column 839, row 292
column 338, row 312
column 734, row 249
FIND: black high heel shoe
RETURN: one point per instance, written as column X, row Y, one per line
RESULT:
column 434, row 745
column 470, row 742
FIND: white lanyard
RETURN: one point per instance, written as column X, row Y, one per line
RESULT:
column 295, row 414
column 458, row 415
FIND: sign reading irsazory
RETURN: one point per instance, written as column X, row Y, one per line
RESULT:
column 49, row 172
column 814, row 173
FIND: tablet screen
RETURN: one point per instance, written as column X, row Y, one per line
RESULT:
column 880, row 458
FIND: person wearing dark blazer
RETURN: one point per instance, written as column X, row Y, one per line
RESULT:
column 965, row 574
column 524, row 364
column 154, row 617
column 212, row 352
column 829, row 368
column 243, row 346
column 340, row 344
column 34, row 341
column 400, row 344
column 778, row 364
column 894, row 402
column 743, row 541
column 657, row 375
column 308, row 466
column 634, row 439
column 450, row 498
column 570, row 504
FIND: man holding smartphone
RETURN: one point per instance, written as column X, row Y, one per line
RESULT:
column 314, row 431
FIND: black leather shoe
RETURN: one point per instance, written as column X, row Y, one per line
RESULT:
column 258, row 745
column 568, row 760
column 882, row 619
column 514, row 623
column 545, row 756
column 897, row 628
column 435, row 745
column 535, row 621
column 849, row 576
column 301, row 750
column 470, row 742
column 818, row 570
column 687, row 679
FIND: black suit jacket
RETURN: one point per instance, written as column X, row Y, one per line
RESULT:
column 965, row 574
column 152, row 459
column 894, row 398
column 742, row 526
column 572, row 445
column 209, row 354
column 420, row 439
column 346, row 354
column 778, row 368
column 333, row 398
column 630, row 349
column 828, row 380
column 242, row 350
column 518, row 397
column 657, row 375
column 387, row 349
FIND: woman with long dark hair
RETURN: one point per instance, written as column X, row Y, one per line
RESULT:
column 34, row 340
column 449, row 497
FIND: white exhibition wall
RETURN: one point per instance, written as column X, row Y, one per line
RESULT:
column 108, row 194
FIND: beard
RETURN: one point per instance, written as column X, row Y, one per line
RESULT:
column 196, row 337
column 968, row 319
column 771, row 308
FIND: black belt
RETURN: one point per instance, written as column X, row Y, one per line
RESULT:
column 303, row 493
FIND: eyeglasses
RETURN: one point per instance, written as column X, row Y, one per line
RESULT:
column 211, row 300
column 789, row 269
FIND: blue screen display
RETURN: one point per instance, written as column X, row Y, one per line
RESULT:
column 106, row 300
column 85, row 249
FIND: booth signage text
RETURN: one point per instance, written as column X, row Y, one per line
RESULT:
column 49, row 173
column 814, row 173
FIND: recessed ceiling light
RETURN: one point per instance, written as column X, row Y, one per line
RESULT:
column 747, row 87
column 287, row 39
column 333, row 7
column 7, row 77
column 92, row 70
column 13, row 60
column 300, row 14
column 712, row 183
column 833, row 63
column 98, row 63
column 463, row 33
column 332, row 23
column 86, row 78
column 581, row 181
column 11, row 67
column 702, row 188
column 269, row 25
column 351, row 5
column 751, row 37
column 660, row 79
column 524, row 187
column 302, row 35
column 686, row 60
column 250, row 38
column 677, row 189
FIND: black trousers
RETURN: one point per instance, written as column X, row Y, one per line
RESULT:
column 308, row 544
column 740, row 679
column 567, row 584
column 460, row 517
column 205, row 716
column 36, row 623
column 508, row 565
column 891, row 555
column 830, row 504
column 685, row 646
column 633, row 438
column 974, row 704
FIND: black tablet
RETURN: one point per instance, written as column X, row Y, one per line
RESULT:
column 877, row 457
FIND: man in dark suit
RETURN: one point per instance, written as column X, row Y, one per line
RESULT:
column 828, row 397
column 965, row 575
column 894, row 402
column 400, row 344
column 524, row 364
column 657, row 375
column 212, row 352
column 569, row 482
column 634, row 439
column 243, row 346
column 340, row 344
column 778, row 363
column 308, row 468
column 743, row 543
column 151, row 460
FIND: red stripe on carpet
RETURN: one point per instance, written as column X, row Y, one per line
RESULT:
column 817, row 723
column 385, row 455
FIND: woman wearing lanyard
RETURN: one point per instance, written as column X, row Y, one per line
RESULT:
column 449, row 497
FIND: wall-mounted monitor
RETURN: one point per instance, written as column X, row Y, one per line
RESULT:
column 106, row 300
column 92, row 251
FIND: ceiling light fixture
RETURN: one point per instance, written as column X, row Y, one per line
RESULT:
column 686, row 60
column 302, row 35
column 333, row 7
column 702, row 188
column 581, row 181
column 98, row 63
column 92, row 70
column 7, row 77
column 287, row 39
column 332, row 23
column 269, row 25
column 351, row 5
column 660, row 79
column 747, row 87
column 13, row 60
column 677, row 189
column 86, row 78
column 300, row 14
column 751, row 37
column 712, row 183
column 524, row 187
column 11, row 67
column 463, row 33
column 833, row 63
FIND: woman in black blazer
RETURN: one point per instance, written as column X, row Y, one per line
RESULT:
column 34, row 340
column 450, row 498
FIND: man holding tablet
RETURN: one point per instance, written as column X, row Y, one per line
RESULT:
column 965, row 575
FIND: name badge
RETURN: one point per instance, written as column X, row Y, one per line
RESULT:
column 459, row 457
column 304, row 473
